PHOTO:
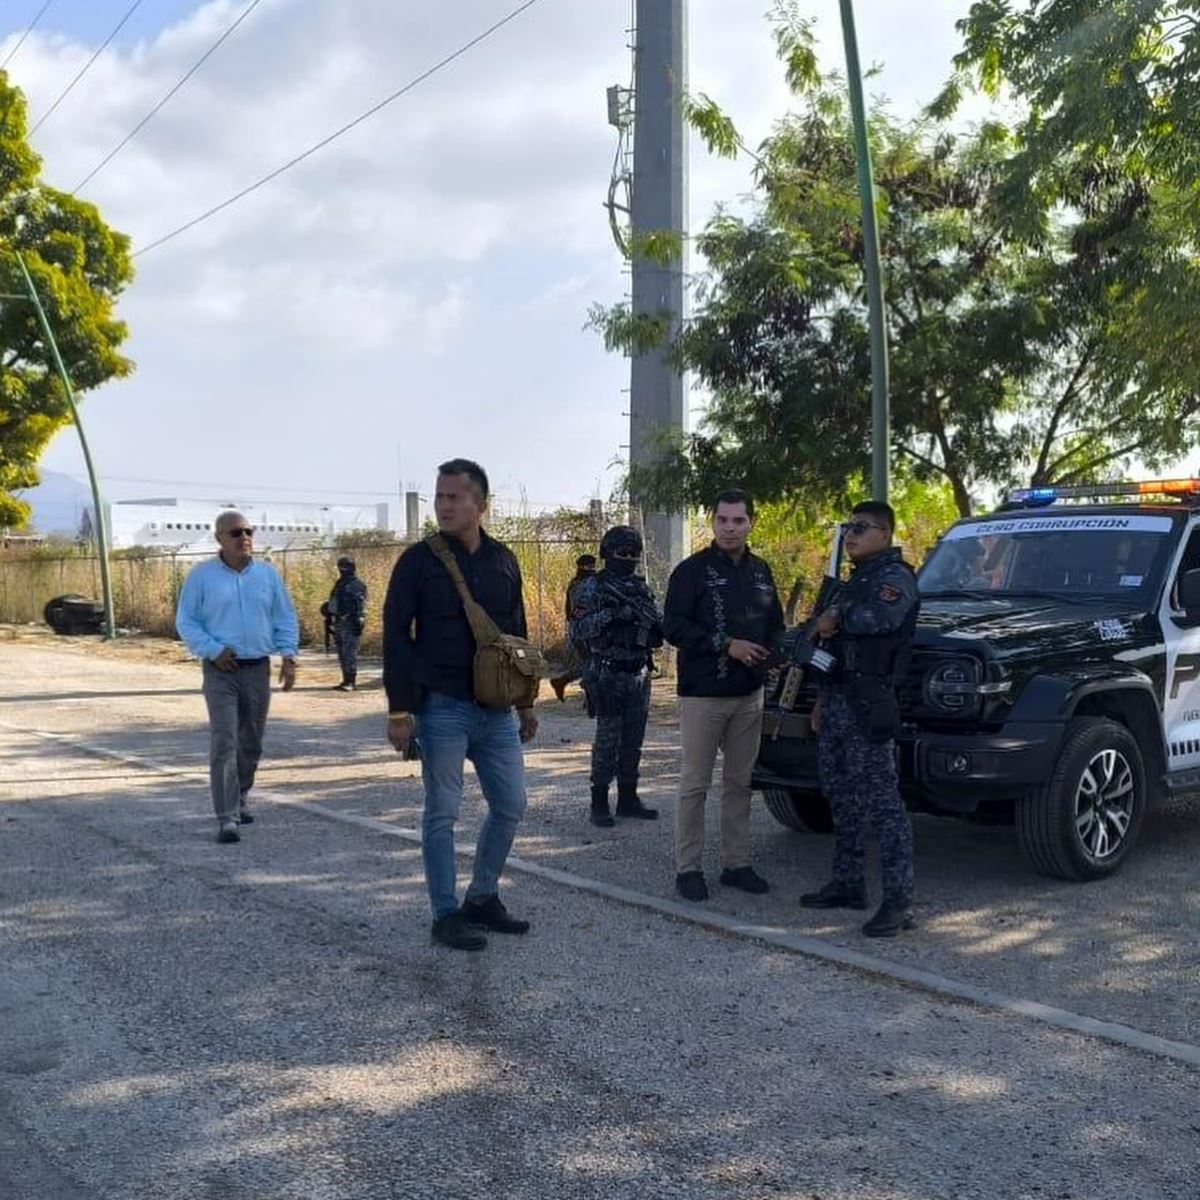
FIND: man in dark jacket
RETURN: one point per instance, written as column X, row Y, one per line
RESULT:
column 428, row 655
column 723, row 614
column 867, row 628
column 615, row 627
column 347, row 606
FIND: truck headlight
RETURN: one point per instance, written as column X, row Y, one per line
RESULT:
column 953, row 686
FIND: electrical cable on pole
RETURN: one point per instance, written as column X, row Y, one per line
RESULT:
column 325, row 141
column 159, row 106
column 87, row 66
column 28, row 30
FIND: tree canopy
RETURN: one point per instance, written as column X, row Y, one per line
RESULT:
column 1018, row 330
column 79, row 266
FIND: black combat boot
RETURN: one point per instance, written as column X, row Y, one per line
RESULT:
column 628, row 804
column 837, row 894
column 600, row 814
column 893, row 917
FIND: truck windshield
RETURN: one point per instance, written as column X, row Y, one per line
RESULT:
column 1103, row 555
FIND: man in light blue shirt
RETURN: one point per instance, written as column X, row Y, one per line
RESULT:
column 234, row 613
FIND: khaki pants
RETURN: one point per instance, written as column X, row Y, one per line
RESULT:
column 707, row 724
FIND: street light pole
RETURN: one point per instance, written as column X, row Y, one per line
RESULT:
column 110, row 626
column 880, row 415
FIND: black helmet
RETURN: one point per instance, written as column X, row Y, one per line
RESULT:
column 620, row 537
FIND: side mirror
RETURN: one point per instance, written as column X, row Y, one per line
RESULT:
column 1189, row 591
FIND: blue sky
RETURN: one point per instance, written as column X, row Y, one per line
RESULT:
column 419, row 289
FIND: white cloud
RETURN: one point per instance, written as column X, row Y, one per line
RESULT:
column 446, row 250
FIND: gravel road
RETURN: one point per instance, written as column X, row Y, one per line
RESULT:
column 179, row 1019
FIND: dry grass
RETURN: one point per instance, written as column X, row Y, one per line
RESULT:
column 146, row 589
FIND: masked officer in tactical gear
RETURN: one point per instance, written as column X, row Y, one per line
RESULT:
column 868, row 628
column 615, row 626
column 347, row 605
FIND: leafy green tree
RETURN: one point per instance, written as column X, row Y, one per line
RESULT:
column 1016, row 351
column 79, row 266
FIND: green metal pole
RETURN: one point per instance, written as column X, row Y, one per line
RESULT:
column 880, row 415
column 110, row 625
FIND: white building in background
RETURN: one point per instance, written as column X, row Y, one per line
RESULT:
column 179, row 524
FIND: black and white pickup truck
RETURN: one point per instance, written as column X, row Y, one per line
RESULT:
column 1054, row 678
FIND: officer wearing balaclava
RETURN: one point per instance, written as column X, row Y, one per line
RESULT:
column 615, row 625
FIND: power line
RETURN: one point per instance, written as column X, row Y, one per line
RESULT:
column 87, row 66
column 154, row 111
column 28, row 30
column 287, row 166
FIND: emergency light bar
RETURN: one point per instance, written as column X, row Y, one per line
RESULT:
column 1044, row 496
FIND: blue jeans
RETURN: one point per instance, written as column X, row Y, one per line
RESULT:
column 452, row 731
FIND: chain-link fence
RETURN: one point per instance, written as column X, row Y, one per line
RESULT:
column 146, row 586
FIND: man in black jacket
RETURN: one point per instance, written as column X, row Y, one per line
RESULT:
column 428, row 654
column 723, row 614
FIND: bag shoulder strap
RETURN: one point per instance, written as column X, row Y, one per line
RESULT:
column 482, row 626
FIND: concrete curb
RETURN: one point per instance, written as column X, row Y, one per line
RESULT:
column 769, row 935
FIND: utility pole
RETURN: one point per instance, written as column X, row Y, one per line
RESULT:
column 100, row 527
column 659, row 205
column 880, row 403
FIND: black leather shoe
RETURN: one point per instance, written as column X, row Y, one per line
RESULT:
column 629, row 805
column 600, row 814
column 745, row 879
column 491, row 914
column 891, row 918
column 691, row 886
column 836, row 895
column 452, row 931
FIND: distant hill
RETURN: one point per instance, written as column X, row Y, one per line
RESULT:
column 58, row 503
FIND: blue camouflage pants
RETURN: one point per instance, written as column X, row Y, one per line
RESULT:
column 621, row 700
column 859, row 779
column 347, row 638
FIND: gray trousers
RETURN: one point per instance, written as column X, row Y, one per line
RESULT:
column 237, row 714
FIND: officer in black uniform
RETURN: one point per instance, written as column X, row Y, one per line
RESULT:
column 868, row 626
column 347, row 604
column 615, row 625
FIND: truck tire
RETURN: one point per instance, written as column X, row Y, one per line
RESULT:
column 1084, row 821
column 804, row 811
column 54, row 613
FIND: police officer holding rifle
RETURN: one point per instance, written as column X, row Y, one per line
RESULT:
column 867, row 625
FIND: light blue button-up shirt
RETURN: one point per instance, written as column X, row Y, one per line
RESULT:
column 249, row 610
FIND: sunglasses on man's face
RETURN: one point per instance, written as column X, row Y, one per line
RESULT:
column 858, row 528
column 241, row 531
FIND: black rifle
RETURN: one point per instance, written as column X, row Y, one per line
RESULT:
column 807, row 653
column 330, row 618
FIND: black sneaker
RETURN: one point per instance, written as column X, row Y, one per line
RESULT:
column 691, row 886
column 892, row 917
column 228, row 832
column 451, row 930
column 745, row 879
column 245, row 817
column 836, row 894
column 491, row 914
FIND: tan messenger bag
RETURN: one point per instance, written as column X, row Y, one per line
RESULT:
column 507, row 669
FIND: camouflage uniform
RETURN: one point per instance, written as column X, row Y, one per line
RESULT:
column 614, row 626
column 859, row 715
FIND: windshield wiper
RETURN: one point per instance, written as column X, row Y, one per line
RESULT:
column 956, row 593
column 1016, row 594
